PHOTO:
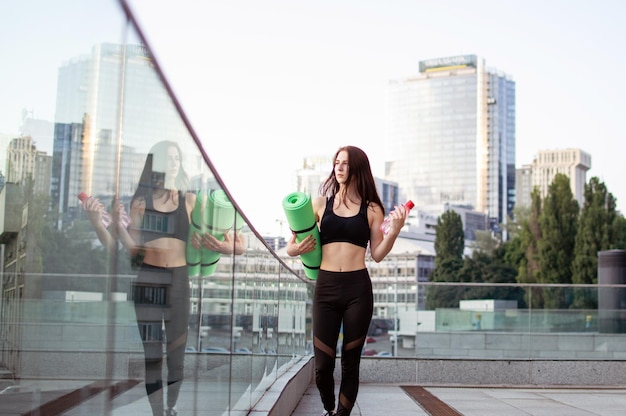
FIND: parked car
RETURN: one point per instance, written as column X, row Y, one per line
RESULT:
column 384, row 354
column 242, row 351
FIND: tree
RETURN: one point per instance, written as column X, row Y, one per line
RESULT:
column 490, row 270
column 449, row 247
column 449, row 238
column 484, row 242
column 558, row 223
column 530, row 235
column 598, row 230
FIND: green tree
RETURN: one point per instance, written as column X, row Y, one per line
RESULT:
column 449, row 247
column 621, row 232
column 529, row 237
column 558, row 222
column 510, row 252
column 490, row 271
column 449, row 238
column 598, row 230
column 485, row 242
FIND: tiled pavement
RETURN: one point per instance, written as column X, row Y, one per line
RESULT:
column 392, row 400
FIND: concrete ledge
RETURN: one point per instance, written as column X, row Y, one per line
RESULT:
column 284, row 394
column 490, row 372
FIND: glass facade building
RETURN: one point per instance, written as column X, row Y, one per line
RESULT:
column 451, row 136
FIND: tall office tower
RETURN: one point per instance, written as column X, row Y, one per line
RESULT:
column 451, row 136
column 91, row 124
column 574, row 163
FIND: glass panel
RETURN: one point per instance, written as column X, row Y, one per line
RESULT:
column 125, row 265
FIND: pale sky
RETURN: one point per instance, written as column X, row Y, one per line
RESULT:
column 267, row 83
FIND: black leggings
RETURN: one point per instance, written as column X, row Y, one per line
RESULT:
column 161, row 296
column 340, row 297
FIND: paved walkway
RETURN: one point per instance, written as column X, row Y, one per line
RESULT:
column 393, row 400
column 373, row 400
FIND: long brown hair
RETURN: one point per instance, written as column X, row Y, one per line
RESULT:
column 151, row 180
column 359, row 173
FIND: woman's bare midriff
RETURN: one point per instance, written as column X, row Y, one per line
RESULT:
column 165, row 252
column 342, row 257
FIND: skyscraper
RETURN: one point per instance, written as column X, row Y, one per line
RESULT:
column 451, row 136
column 574, row 163
column 90, row 122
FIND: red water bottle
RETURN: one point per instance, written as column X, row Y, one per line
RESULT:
column 384, row 227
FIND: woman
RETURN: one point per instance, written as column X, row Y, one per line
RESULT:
column 160, row 213
column 349, row 214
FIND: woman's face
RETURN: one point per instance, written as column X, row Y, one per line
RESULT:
column 173, row 163
column 342, row 167
column 168, row 164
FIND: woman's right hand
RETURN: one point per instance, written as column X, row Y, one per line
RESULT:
column 94, row 208
column 296, row 249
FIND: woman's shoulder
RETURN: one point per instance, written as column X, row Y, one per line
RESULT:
column 375, row 208
column 138, row 202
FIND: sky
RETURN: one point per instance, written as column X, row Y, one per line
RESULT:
column 266, row 84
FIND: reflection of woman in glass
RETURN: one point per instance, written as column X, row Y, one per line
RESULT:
column 160, row 212
column 349, row 214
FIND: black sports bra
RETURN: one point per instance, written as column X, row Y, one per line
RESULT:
column 157, row 224
column 335, row 229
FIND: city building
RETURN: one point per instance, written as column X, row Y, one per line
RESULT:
column 25, row 162
column 451, row 136
column 88, row 132
column 574, row 163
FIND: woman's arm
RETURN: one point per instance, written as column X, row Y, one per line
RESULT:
column 226, row 246
column 308, row 244
column 380, row 244
column 131, row 237
column 94, row 209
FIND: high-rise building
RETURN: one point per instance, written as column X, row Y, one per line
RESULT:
column 26, row 163
column 90, row 123
column 451, row 136
column 574, row 163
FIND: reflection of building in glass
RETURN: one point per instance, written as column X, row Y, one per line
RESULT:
column 258, row 319
column 25, row 162
column 574, row 163
column 451, row 136
column 90, row 122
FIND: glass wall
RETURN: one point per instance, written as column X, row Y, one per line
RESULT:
column 417, row 318
column 131, row 283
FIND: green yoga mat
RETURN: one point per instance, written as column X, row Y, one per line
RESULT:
column 194, row 257
column 219, row 217
column 301, row 218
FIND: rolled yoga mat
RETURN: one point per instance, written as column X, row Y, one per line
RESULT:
column 301, row 218
column 219, row 217
column 194, row 257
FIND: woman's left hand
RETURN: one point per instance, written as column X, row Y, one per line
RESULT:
column 397, row 219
